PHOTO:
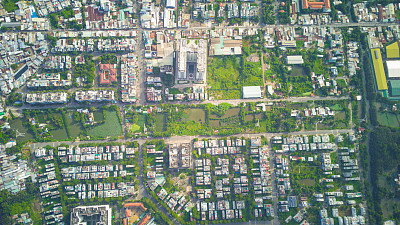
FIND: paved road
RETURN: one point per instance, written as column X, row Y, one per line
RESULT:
column 186, row 139
column 235, row 102
column 351, row 24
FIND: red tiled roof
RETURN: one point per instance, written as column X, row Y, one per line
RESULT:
column 113, row 71
column 127, row 213
column 144, row 220
column 135, row 204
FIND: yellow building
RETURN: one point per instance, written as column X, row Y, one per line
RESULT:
column 380, row 76
column 392, row 51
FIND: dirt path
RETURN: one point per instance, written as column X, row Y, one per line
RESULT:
column 263, row 68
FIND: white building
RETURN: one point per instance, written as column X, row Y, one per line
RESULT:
column 252, row 92
column 295, row 59
column 171, row 4
column 393, row 68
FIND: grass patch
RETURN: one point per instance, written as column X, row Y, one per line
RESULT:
column 160, row 122
column 228, row 113
column 226, row 94
column 41, row 118
column 249, row 117
column 75, row 128
column 337, row 107
column 197, row 115
column 223, row 75
column 98, row 116
column 307, row 182
column 111, row 127
column 23, row 134
column 388, row 119
column 60, row 133
column 297, row 71
column 135, row 128
column 340, row 116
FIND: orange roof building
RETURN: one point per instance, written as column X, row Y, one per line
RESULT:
column 108, row 73
column 144, row 220
column 325, row 5
column 135, row 204
column 127, row 213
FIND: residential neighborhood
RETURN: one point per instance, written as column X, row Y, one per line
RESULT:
column 199, row 112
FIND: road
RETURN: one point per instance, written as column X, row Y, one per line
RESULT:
column 258, row 26
column 186, row 139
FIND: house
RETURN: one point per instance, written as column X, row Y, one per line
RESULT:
column 108, row 73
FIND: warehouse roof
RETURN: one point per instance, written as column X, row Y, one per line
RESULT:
column 394, row 87
column 378, row 69
column 295, row 59
column 252, row 92
column 393, row 68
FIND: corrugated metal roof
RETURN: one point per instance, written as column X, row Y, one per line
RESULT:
column 394, row 87
column 252, row 92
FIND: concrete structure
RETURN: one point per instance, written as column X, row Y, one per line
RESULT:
column 225, row 46
column 380, row 77
column 393, row 68
column 94, row 96
column 170, row 4
column 191, row 60
column 12, row 172
column 294, row 59
column 47, row 98
column 252, row 92
column 98, row 214
column 179, row 156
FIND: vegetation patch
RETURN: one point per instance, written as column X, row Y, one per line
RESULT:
column 110, row 128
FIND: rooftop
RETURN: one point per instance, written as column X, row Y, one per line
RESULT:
column 392, row 51
column 378, row 68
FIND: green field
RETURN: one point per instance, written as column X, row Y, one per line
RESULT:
column 223, row 77
column 59, row 133
column 249, row 117
column 75, row 128
column 98, row 116
column 23, row 133
column 297, row 71
column 225, row 94
column 228, row 113
column 111, row 127
column 307, row 182
column 388, row 119
column 135, row 128
column 197, row 115
column 340, row 115
column 336, row 107
column 41, row 118
column 214, row 123
column 160, row 122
